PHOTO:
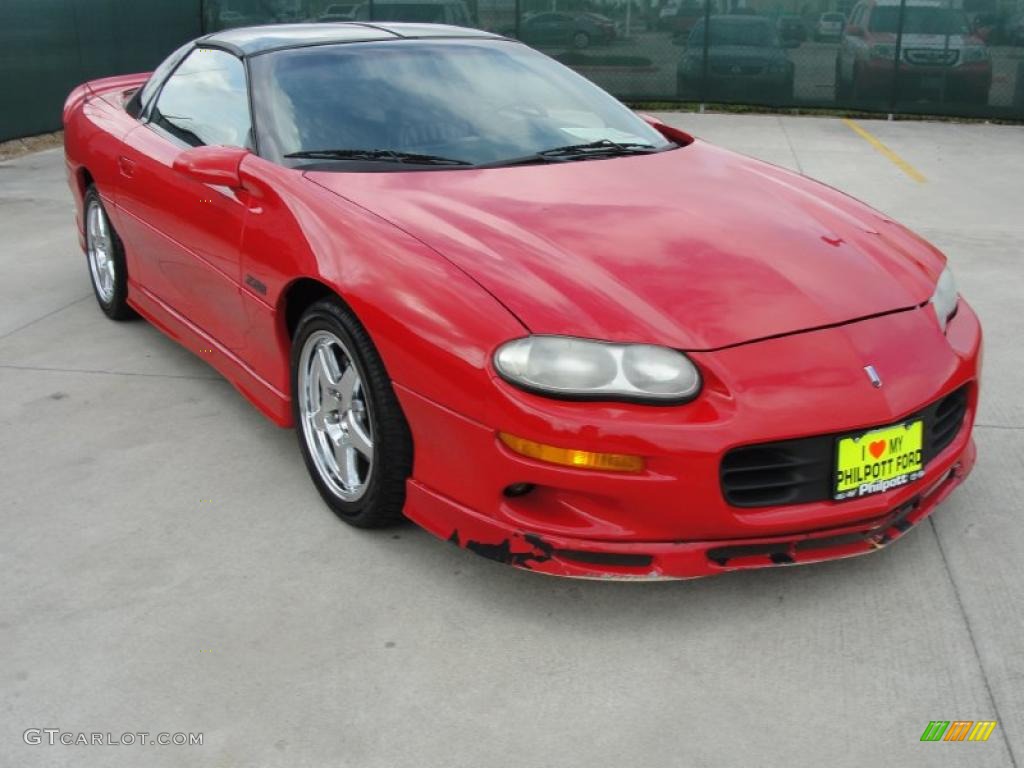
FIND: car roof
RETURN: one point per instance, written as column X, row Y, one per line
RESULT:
column 251, row 41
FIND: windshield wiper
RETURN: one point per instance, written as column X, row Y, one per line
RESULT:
column 570, row 152
column 375, row 155
column 600, row 147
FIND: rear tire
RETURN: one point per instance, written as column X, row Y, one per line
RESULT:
column 580, row 40
column 104, row 253
column 352, row 433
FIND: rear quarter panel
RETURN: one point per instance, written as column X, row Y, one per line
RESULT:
column 95, row 122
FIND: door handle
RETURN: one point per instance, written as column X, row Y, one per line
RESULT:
column 126, row 166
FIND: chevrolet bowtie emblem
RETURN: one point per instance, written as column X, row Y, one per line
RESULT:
column 876, row 380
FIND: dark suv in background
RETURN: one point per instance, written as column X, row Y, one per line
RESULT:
column 746, row 59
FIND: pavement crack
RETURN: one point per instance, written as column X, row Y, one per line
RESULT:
column 792, row 149
column 974, row 644
column 1010, row 427
column 111, row 373
column 43, row 317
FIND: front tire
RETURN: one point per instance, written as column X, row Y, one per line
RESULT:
column 104, row 253
column 580, row 40
column 352, row 432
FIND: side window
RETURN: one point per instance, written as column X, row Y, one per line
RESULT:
column 205, row 101
column 141, row 100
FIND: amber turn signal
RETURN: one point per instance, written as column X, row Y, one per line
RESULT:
column 571, row 457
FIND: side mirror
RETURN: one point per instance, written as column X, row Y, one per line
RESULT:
column 212, row 165
column 854, row 32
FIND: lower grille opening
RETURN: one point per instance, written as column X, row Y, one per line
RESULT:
column 949, row 417
column 800, row 471
column 780, row 473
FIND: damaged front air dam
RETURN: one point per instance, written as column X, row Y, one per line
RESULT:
column 542, row 551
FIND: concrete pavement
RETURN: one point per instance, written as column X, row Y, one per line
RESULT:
column 167, row 565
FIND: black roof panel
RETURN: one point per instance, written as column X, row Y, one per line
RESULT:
column 249, row 41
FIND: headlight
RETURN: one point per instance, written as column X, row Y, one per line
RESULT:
column 945, row 297
column 975, row 53
column 883, row 51
column 561, row 366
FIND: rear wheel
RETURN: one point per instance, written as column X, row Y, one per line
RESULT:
column 580, row 40
column 105, row 255
column 352, row 432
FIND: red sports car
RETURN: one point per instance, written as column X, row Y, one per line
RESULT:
column 494, row 300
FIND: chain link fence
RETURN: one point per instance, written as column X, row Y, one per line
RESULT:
column 47, row 47
column 944, row 57
column 947, row 57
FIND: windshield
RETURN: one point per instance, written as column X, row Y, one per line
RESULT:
column 751, row 32
column 468, row 100
column 920, row 21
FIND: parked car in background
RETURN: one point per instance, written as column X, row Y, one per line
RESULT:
column 829, row 26
column 679, row 18
column 339, row 12
column 745, row 58
column 579, row 30
column 453, row 12
column 939, row 54
column 792, row 30
column 609, row 26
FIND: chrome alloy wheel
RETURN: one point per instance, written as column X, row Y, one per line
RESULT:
column 336, row 420
column 100, row 249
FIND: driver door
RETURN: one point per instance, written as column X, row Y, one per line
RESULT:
column 187, row 235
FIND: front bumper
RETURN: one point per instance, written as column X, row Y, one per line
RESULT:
column 656, row 560
column 672, row 521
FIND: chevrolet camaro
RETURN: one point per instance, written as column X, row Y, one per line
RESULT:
column 495, row 301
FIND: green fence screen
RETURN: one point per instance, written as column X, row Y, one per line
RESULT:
column 938, row 57
column 49, row 46
column 952, row 57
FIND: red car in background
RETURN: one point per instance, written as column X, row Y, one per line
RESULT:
column 492, row 299
column 939, row 55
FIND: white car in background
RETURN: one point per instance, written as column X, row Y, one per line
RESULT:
column 829, row 26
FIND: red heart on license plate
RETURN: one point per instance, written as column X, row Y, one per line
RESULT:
column 877, row 448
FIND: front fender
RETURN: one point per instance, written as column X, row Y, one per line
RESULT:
column 434, row 326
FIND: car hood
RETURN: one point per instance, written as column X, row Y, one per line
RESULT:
column 696, row 248
column 952, row 42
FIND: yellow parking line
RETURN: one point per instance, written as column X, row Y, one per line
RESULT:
column 895, row 159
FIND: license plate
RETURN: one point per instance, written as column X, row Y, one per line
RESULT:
column 878, row 461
